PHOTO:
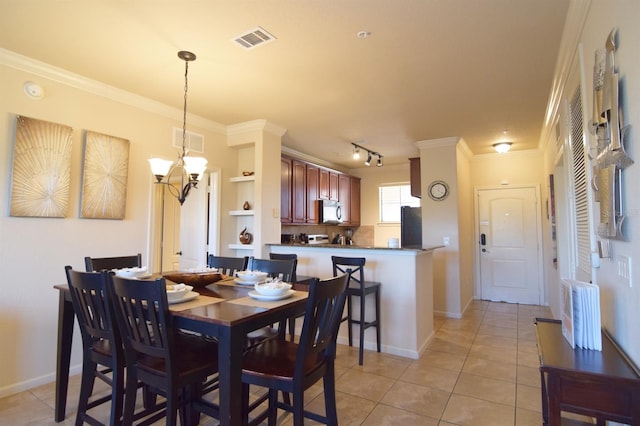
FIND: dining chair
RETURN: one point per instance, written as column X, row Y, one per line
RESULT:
column 101, row 344
column 108, row 263
column 102, row 351
column 228, row 265
column 283, row 269
column 360, row 288
column 158, row 354
column 281, row 365
column 287, row 256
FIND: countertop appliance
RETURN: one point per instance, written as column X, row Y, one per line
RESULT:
column 318, row 239
column 330, row 212
column 411, row 227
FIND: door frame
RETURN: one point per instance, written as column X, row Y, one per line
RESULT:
column 477, row 281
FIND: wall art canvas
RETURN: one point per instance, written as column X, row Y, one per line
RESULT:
column 104, row 181
column 41, row 169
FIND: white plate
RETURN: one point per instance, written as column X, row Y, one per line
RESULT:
column 242, row 282
column 189, row 296
column 264, row 298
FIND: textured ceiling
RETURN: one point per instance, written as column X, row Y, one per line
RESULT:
column 430, row 69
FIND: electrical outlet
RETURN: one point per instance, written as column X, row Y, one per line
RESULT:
column 445, row 241
column 276, row 213
column 624, row 270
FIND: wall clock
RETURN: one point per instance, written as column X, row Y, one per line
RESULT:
column 438, row 190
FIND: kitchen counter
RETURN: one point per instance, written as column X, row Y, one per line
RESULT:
column 406, row 298
column 353, row 246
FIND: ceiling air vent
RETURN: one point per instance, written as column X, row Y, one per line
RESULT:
column 254, row 38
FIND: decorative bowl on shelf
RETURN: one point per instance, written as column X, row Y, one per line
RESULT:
column 195, row 279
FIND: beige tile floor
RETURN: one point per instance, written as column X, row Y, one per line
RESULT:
column 479, row 370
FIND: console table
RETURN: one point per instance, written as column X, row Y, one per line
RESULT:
column 600, row 384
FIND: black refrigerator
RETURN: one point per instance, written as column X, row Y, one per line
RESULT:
column 411, row 227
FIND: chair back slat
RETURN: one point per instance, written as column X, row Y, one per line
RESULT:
column 228, row 265
column 282, row 269
column 321, row 321
column 108, row 263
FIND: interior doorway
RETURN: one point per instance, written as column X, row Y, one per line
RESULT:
column 508, row 221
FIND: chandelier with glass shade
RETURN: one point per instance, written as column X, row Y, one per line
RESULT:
column 190, row 168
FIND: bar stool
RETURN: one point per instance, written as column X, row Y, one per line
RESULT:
column 360, row 288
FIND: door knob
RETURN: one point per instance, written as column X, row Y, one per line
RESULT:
column 179, row 253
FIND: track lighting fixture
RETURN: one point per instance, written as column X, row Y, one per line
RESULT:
column 370, row 154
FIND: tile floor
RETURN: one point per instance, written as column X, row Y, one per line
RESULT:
column 479, row 370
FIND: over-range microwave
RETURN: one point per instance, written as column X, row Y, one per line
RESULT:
column 331, row 212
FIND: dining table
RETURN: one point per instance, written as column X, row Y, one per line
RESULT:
column 223, row 310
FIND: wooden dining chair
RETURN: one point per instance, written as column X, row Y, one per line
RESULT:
column 360, row 288
column 108, row 263
column 281, row 365
column 228, row 265
column 158, row 354
column 101, row 344
column 287, row 256
column 283, row 269
column 102, row 351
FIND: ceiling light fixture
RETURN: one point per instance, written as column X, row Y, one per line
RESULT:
column 370, row 154
column 502, row 147
column 192, row 168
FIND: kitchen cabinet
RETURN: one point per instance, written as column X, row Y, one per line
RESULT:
column 303, row 184
column 285, row 190
column 414, row 177
column 313, row 193
column 344, row 196
column 328, row 185
column 298, row 191
column 355, row 202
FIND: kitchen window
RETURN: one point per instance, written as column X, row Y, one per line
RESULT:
column 392, row 197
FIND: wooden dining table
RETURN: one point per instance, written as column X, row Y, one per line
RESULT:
column 222, row 310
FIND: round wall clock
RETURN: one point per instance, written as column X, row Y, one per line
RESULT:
column 438, row 190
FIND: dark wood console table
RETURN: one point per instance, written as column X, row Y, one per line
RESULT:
column 600, row 384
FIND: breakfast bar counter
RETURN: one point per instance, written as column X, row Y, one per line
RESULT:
column 406, row 277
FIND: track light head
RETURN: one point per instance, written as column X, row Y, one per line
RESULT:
column 368, row 162
column 379, row 164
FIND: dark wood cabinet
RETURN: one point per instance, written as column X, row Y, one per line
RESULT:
column 303, row 184
column 355, row 201
column 285, row 190
column 344, row 196
column 414, row 177
column 313, row 193
column 298, row 192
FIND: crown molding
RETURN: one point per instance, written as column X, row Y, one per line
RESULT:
column 438, row 143
column 567, row 55
column 76, row 81
column 253, row 126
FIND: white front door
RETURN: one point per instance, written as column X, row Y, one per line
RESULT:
column 509, row 241
column 193, row 227
column 170, row 231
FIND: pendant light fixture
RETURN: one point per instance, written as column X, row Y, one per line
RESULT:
column 191, row 168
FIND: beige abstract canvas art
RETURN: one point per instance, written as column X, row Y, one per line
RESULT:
column 104, row 183
column 41, row 169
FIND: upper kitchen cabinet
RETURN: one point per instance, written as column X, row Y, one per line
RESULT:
column 313, row 193
column 303, row 184
column 414, row 177
column 285, row 190
column 299, row 191
column 328, row 184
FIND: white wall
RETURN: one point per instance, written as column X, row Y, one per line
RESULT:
column 619, row 302
column 34, row 251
